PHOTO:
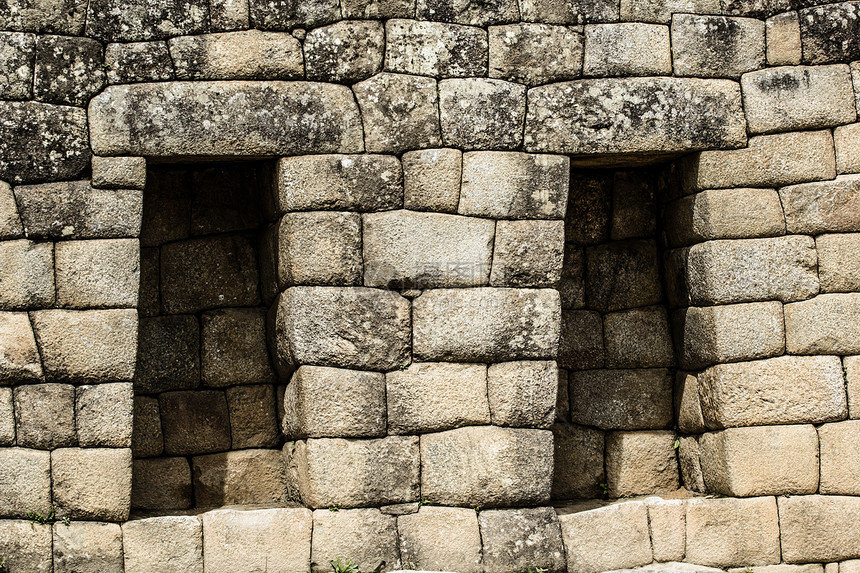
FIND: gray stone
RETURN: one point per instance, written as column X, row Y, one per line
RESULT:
column 19, row 356
column 826, row 324
column 10, row 221
column 243, row 477
column 483, row 14
column 784, row 390
column 798, row 97
column 345, row 52
column 253, row 416
column 783, row 39
column 146, row 437
column 52, row 16
column 830, row 33
column 569, row 11
column 487, row 466
column 17, row 53
column 758, row 8
column 227, row 15
column 431, row 179
column 161, row 484
column 688, row 408
column 578, row 462
column 87, row 346
column 378, row 9
column 42, row 142
column 27, row 275
column 732, row 532
column 505, row 185
column 623, row 274
column 535, row 54
column 431, row 397
column 68, row 70
column 138, row 62
column 87, row 547
column 325, row 402
column 168, row 354
column 167, row 543
column 847, row 149
column 517, row 538
column 441, row 538
column 629, row 49
column 523, row 394
column 638, row 338
column 98, row 274
column 838, row 263
column 92, row 484
column 634, row 212
column 399, row 112
column 197, row 119
column 661, row 11
column 26, row 479
column 640, row 463
column 354, row 327
column 480, row 113
column 528, row 253
column 136, row 20
column 622, row 399
column 233, row 347
column 7, row 418
column 339, row 182
column 319, row 247
column 591, row 200
column 487, row 324
column 26, row 546
column 818, row 528
column 45, row 416
column 75, row 210
column 368, row 536
column 119, row 172
column 245, row 55
column 104, row 414
column 827, row 206
column 409, row 249
column 572, row 285
column 839, row 458
column 635, row 116
column 717, row 46
column 435, row 49
column 194, row 422
column 289, row 14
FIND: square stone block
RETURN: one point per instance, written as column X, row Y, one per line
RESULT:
column 88, row 547
column 840, row 457
column 640, row 463
column 700, row 45
column 119, row 172
column 431, row 179
column 104, row 415
column 253, row 417
column 25, row 482
column 18, row 53
column 638, row 338
column 819, row 528
column 194, row 422
column 25, row 546
column 517, row 538
column 524, row 394
column 319, row 248
column 440, row 538
column 93, row 483
column 826, row 324
column 68, row 70
column 733, row 532
column 528, row 254
column 628, row 49
column 243, row 477
column 367, row 536
column 343, row 52
column 26, row 275
column 622, row 275
column 146, row 436
column 45, row 416
column 622, row 399
column 100, row 273
column 578, row 462
column 581, row 341
column 234, row 349
column 478, row 113
column 161, row 484
column 839, row 262
column 172, row 543
column 168, row 354
column 823, row 206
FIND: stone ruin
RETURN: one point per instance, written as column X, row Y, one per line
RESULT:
column 468, row 285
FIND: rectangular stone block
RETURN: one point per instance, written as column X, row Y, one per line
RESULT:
column 845, row 139
column 826, row 324
column 478, row 113
column 627, row 49
column 639, row 463
column 783, row 39
column 87, row 547
column 17, row 52
column 638, row 338
column 253, row 416
column 622, row 274
column 815, row 208
column 581, row 344
column 535, row 54
column 138, row 62
column 503, row 532
column 840, row 457
column 661, row 11
column 487, row 466
column 700, row 45
column 25, row 546
column 194, row 422
column 98, row 274
column 104, row 415
column 233, row 347
column 69, row 70
column 92, row 483
column 26, row 275
column 852, row 379
column 688, row 407
column 435, row 49
column 319, row 248
column 688, row 461
column 528, row 254
column 667, row 521
column 45, row 416
column 7, row 418
column 242, row 477
column 10, row 221
column 486, row 324
column 119, row 172
column 249, row 54
column 733, row 532
column 19, row 356
column 378, row 9
column 819, row 528
column 578, row 462
column 161, row 484
column 25, row 477
column 368, row 536
column 783, row 390
column 622, row 399
column 168, row 355
column 431, row 179
column 829, row 33
column 441, row 538
column 171, row 543
column 524, row 394
column 146, row 437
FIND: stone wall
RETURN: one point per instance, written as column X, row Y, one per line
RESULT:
column 426, row 280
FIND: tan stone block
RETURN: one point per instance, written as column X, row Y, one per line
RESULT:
column 528, row 254
column 783, row 39
column 98, row 273
column 732, row 532
column 119, row 172
column 840, row 458
column 850, row 566
column 146, row 436
column 605, row 538
column 269, row 539
column 45, row 416
column 688, row 408
column 667, row 521
column 479, row 113
column 431, row 179
column 104, row 415
column 87, row 547
column 517, row 538
column 845, row 139
column 764, row 460
column 161, row 484
column 784, row 568
column 25, row 482
column 249, row 54
column 578, row 462
column 319, row 248
column 826, row 324
column 7, row 418
column 26, row 275
column 629, row 49
column 852, row 384
column 25, row 546
column 172, row 543
column 819, row 528
column 436, row 396
column 699, row 45
column 524, row 394
column 638, row 338
column 622, row 399
column 827, row 206
column 641, row 463
column 366, row 536
column 688, row 460
column 243, row 477
column 440, row 538
column 10, row 221
column 19, row 357
column 92, row 483
column 253, row 416
column 783, row 390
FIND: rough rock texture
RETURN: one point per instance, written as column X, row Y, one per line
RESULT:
column 847, row 149
column 119, row 172
column 435, row 49
column 233, row 347
column 830, row 33
column 523, row 394
column 69, row 71
column 161, row 484
column 581, row 344
column 51, row 16
column 160, row 543
column 227, row 15
column 818, row 528
column 569, row 11
column 25, row 476
column 535, row 54
column 633, row 49
column 661, row 12
column 368, row 536
column 622, row 274
column 528, row 253
column 481, row 113
column 640, row 463
column 17, row 51
column 716, row 46
column 733, row 532
column 92, row 483
column 441, row 538
column 26, row 275
column 87, row 547
column 237, row 56
column 289, row 14
column 578, row 462
column 838, row 265
column 239, row 477
column 431, row 179
column 638, row 338
column 115, row 21
column 7, row 418
column 138, row 62
column 488, row 12
column 194, row 422
column 345, row 52
column 168, row 356
column 10, row 220
column 517, row 538
column 622, row 399
column 826, row 324
column 667, row 521
column 45, row 416
column 97, row 274
column 839, row 459
column 254, row 416
column 783, row 39
column 26, row 546
column 819, row 207
column 146, row 438
column 104, row 415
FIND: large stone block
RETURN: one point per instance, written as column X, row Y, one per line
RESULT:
column 87, row 346
column 627, row 49
column 724, row 272
column 830, row 33
column 640, row 463
column 161, row 484
column 275, row 118
column 225, row 15
column 783, row 39
column 168, row 356
column 319, row 247
column 784, row 390
column 528, row 253
column 716, row 46
column 146, row 437
column 826, row 324
column 104, row 415
column 19, row 356
column 289, row 14
column 431, row 179
column 69, row 71
column 243, row 477
column 25, row 546
column 840, row 458
column 689, row 463
column 88, row 547
column 245, row 55
column 622, row 274
column 764, row 460
column 194, row 422
column 384, row 471
column 819, row 528
column 523, row 394
column 486, row 325
column 569, row 11
column 233, row 347
column 487, row 466
column 438, row 538
column 367, row 536
column 638, row 338
column 491, row 12
column 171, row 543
column 410, row 249
column 52, row 16
column 101, row 273
column 119, row 172
column 113, row 21
column 138, row 62
column 17, row 53
column 517, row 538
column 254, row 416
column 25, row 477
column 814, row 208
column 26, row 275
column 667, row 523
column 798, row 97
column 378, row 9
column 622, row 399
column 847, row 149
column 667, row 115
column 733, row 532
column 578, row 462
column 580, row 346
column 478, row 113
column 535, row 54
column 435, row 49
column 344, row 52
column 361, row 328
column 45, row 416
column 436, row 396
column 92, row 483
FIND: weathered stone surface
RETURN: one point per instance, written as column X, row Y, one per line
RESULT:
column 847, row 149
column 480, row 113
column 605, row 538
column 98, row 273
column 339, row 182
column 138, row 62
column 732, row 532
column 638, row 338
column 344, row 52
column 640, row 463
column 838, row 263
column 163, row 543
column 431, row 179
column 319, row 247
column 194, row 422
column 111, row 21
column 767, row 161
column 814, row 208
column 523, row 394
column 87, row 547
column 26, row 546
column 634, row 199
column 629, row 49
column 104, row 414
column 729, row 333
column 568, row 11
column 7, row 418
column 784, row 390
column 716, row 46
column 368, row 536
column 146, row 438
column 852, row 379
column 87, row 346
column 623, row 274
column 233, row 347
column 487, row 466
column 783, row 39
column 161, row 484
column 534, row 54
column 383, row 471
column 253, row 416
column 578, row 462
column 572, row 285
column 504, row 185
column 826, row 324
column 10, row 221
column 68, row 70
column 17, row 53
column 239, row 478
column 488, row 324
column 245, row 55
column 528, row 253
column 25, row 476
column 439, row 538
column 226, row 15
column 435, row 49
column 430, row 397
column 622, row 399
column 591, row 199
column 517, row 538
column 378, row 9
column 486, row 13
column 688, row 461
column 26, row 275
column 634, row 115
column 667, row 521
column 798, row 97
column 92, row 483
column 819, row 528
column 193, row 119
column 409, row 249
column 840, row 462
column 581, row 344
column 765, row 460
column 289, row 14
column 325, row 402
column 45, row 416
column 168, row 355
column 759, row 8
column 830, row 33
column 359, row 328
column 661, row 11
column 783, row 268
column 399, row 112
column 119, row 172
column 51, row 16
